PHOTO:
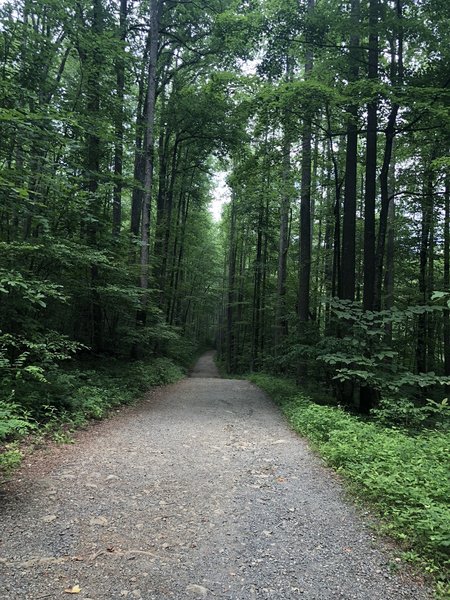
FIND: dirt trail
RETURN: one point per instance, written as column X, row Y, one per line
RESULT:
column 200, row 491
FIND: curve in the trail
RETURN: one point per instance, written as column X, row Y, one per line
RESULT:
column 200, row 491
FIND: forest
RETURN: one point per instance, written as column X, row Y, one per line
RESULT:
column 329, row 270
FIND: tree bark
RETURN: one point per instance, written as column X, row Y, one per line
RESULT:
column 305, row 200
column 92, row 63
column 230, row 338
column 256, row 308
column 371, row 164
column 155, row 14
column 424, row 257
column 281, row 326
column 389, row 278
column 139, row 159
column 447, row 274
column 386, row 173
column 119, row 123
column 348, row 270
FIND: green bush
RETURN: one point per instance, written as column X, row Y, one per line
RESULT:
column 278, row 388
column 116, row 382
column 69, row 398
column 10, row 458
column 415, row 416
column 14, row 421
column 405, row 476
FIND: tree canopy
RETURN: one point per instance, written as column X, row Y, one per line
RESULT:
column 331, row 120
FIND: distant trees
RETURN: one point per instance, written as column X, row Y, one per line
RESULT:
column 363, row 106
column 110, row 117
column 332, row 119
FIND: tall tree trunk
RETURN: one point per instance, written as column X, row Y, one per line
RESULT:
column 390, row 251
column 336, row 270
column 230, row 356
column 367, row 393
column 265, row 254
column 371, row 164
column 305, row 200
column 119, row 123
column 385, row 202
column 386, row 172
column 165, row 136
column 348, row 270
column 424, row 257
column 431, row 321
column 281, row 325
column 447, row 274
column 139, row 159
column 256, row 308
column 155, row 14
column 92, row 63
column 328, row 244
column 164, row 212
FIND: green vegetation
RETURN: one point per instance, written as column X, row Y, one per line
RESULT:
column 110, row 263
column 331, row 263
column 71, row 397
column 403, row 473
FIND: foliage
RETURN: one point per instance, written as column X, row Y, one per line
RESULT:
column 403, row 412
column 10, row 458
column 404, row 476
column 14, row 421
column 71, row 182
column 75, row 395
column 362, row 353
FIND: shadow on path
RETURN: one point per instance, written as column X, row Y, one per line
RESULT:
column 205, row 366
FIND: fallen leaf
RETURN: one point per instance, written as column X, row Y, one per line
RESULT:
column 197, row 590
column 99, row 521
column 73, row 590
column 49, row 518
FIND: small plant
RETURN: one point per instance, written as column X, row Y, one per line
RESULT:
column 403, row 412
column 14, row 421
column 10, row 458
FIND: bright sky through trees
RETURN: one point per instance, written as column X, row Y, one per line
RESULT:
column 221, row 194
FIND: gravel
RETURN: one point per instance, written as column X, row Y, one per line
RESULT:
column 199, row 491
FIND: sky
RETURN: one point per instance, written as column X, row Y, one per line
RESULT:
column 221, row 194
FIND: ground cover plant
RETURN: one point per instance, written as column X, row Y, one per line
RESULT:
column 70, row 397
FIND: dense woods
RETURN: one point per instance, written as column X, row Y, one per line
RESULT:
column 331, row 263
column 336, row 233
column 111, row 113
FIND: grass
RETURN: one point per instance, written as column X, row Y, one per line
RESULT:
column 404, row 476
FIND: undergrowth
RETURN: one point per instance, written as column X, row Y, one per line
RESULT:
column 403, row 474
column 67, row 399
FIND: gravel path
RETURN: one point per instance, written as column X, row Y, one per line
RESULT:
column 200, row 491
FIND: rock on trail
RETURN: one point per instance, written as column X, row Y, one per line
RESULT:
column 199, row 491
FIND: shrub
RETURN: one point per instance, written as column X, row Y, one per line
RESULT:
column 68, row 398
column 14, row 421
